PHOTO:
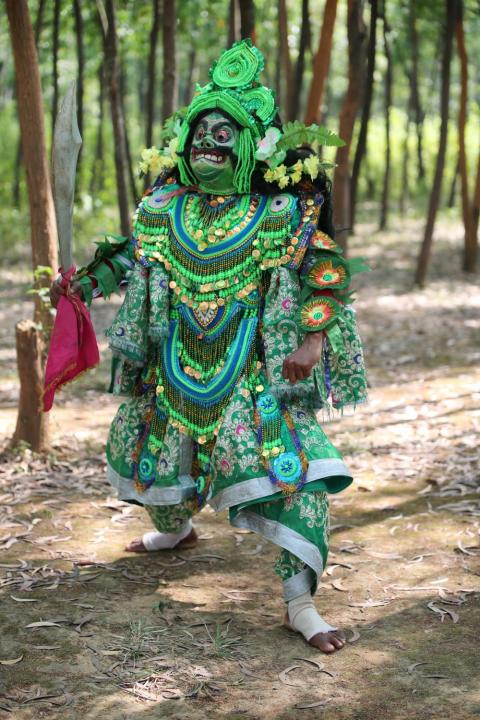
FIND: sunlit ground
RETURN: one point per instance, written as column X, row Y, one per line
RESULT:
column 91, row 632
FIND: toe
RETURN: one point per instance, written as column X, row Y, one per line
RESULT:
column 336, row 640
column 136, row 546
column 323, row 642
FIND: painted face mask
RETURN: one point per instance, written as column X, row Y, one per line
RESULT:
column 212, row 154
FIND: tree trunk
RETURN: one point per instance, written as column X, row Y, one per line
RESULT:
column 404, row 189
column 367, row 105
column 285, row 61
column 388, row 104
column 300, row 64
column 233, row 22
column 18, row 156
column 453, row 187
column 107, row 17
column 418, row 113
column 97, row 180
column 470, row 243
column 247, row 19
column 424, row 255
column 476, row 200
column 321, row 63
column 55, row 43
column 169, row 59
column 357, row 34
column 187, row 91
column 42, row 212
column 77, row 11
column 152, row 72
column 32, row 423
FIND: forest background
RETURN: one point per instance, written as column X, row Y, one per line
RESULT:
column 87, row 630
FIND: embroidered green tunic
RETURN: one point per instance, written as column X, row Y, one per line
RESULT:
column 221, row 291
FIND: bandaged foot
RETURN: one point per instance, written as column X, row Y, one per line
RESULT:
column 303, row 617
column 154, row 540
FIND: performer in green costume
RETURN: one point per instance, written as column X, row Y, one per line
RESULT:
column 236, row 326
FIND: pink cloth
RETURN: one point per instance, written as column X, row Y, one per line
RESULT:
column 73, row 345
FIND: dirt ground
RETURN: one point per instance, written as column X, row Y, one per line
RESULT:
column 88, row 631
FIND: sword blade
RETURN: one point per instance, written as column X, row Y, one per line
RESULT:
column 67, row 142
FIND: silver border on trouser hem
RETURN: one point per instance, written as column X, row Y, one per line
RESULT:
column 260, row 487
column 153, row 495
column 284, row 537
column 298, row 584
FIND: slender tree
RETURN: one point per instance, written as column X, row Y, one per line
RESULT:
column 426, row 247
column 233, row 22
column 32, row 423
column 418, row 112
column 366, row 109
column 387, row 105
column 107, row 17
column 55, row 43
column 357, row 35
column 304, row 45
column 470, row 243
column 97, row 180
column 169, row 100
column 321, row 63
column 285, row 61
column 77, row 13
column 18, row 156
column 247, row 19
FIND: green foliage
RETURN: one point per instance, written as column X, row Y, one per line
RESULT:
column 297, row 133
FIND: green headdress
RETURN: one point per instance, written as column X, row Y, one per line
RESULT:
column 234, row 89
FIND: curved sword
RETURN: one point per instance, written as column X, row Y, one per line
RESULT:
column 67, row 142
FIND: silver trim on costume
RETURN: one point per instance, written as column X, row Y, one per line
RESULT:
column 263, row 487
column 154, row 495
column 298, row 584
column 287, row 539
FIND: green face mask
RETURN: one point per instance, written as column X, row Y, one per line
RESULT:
column 211, row 160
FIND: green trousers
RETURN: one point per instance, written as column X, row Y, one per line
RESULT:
column 312, row 511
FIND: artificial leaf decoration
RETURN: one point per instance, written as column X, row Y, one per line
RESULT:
column 297, row 133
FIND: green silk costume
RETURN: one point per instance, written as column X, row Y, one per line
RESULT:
column 221, row 289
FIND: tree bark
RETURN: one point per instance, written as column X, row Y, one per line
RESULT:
column 169, row 59
column 321, row 63
column 404, row 186
column 453, row 187
column 18, row 156
column 300, row 64
column 476, row 200
column 107, row 17
column 357, row 34
column 152, row 72
column 367, row 105
column 32, row 423
column 414, row 91
column 425, row 250
column 470, row 242
column 42, row 211
column 77, row 12
column 233, row 22
column 97, row 180
column 55, row 43
column 247, row 19
column 285, row 61
column 388, row 104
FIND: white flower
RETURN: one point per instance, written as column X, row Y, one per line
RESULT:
column 267, row 145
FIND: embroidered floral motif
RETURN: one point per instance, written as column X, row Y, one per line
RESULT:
column 328, row 274
column 318, row 313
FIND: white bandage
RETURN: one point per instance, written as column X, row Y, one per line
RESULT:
column 155, row 540
column 304, row 617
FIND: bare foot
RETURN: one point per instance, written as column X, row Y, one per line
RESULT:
column 327, row 642
column 190, row 541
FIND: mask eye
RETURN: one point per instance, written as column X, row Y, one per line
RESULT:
column 222, row 135
column 200, row 133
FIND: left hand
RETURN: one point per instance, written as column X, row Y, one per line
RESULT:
column 299, row 365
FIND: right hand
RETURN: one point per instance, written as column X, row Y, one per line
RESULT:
column 56, row 291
